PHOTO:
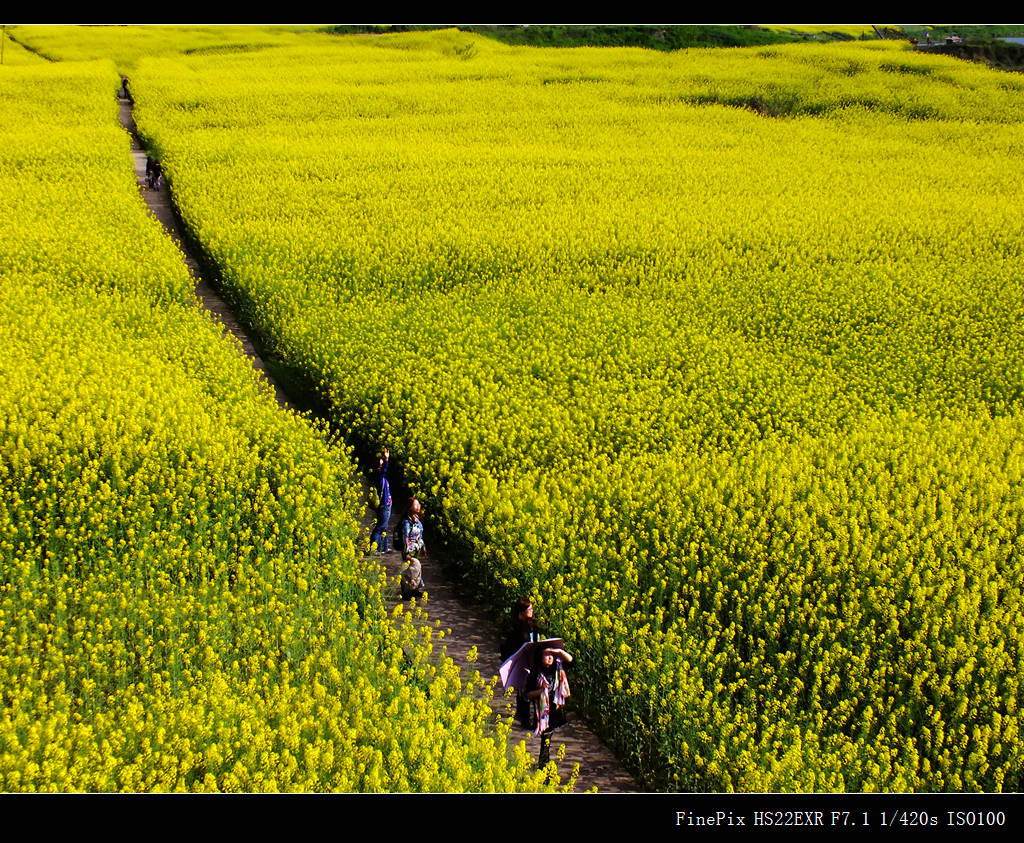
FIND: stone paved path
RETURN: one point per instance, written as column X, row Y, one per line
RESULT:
column 468, row 624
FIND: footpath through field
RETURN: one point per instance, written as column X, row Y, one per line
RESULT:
column 467, row 625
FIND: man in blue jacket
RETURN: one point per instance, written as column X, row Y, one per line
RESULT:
column 379, row 533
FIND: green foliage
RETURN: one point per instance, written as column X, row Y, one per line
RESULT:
column 996, row 54
column 657, row 37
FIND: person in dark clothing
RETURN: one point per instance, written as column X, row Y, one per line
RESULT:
column 379, row 534
column 548, row 689
column 524, row 629
column 154, row 172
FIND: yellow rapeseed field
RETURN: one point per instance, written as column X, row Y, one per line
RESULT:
column 716, row 354
column 181, row 602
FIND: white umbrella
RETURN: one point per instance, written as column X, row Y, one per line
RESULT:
column 516, row 668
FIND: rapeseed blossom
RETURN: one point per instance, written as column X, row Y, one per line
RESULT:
column 182, row 604
column 716, row 353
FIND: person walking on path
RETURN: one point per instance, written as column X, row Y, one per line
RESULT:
column 410, row 540
column 383, row 489
column 154, row 172
column 548, row 688
column 524, row 629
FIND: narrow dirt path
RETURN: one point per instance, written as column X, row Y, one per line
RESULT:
column 160, row 204
column 467, row 625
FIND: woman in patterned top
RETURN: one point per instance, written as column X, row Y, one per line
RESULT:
column 549, row 690
column 412, row 531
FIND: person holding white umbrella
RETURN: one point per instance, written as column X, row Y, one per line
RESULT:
column 548, row 688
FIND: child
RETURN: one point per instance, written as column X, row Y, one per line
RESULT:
column 412, row 584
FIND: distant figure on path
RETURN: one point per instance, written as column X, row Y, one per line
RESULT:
column 153, row 173
column 383, row 489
